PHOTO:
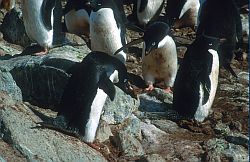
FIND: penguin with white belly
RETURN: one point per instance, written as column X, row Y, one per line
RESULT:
column 221, row 18
column 107, row 27
column 85, row 94
column 182, row 13
column 38, row 21
column 148, row 10
column 197, row 79
column 159, row 56
column 76, row 17
column 7, row 4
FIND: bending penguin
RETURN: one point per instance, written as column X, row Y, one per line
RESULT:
column 38, row 21
column 182, row 13
column 107, row 27
column 159, row 56
column 7, row 4
column 76, row 17
column 84, row 96
column 221, row 18
column 197, row 79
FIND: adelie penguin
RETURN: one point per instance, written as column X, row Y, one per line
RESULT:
column 76, row 17
column 107, row 27
column 182, row 13
column 221, row 18
column 38, row 21
column 7, row 4
column 84, row 96
column 197, row 79
column 159, row 56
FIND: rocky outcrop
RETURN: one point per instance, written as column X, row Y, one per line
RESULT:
column 129, row 130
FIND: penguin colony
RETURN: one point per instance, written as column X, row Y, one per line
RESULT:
column 194, row 84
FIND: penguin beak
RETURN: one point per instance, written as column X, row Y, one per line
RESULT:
column 149, row 48
column 134, row 42
column 130, row 90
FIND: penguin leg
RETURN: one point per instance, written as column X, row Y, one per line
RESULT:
column 150, row 80
column 45, row 51
column 168, row 90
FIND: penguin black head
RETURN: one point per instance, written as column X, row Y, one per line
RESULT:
column 154, row 34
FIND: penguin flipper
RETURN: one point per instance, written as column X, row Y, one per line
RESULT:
column 46, row 11
column 204, row 79
column 143, row 5
column 107, row 86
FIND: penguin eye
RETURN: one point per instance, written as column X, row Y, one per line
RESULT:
column 210, row 44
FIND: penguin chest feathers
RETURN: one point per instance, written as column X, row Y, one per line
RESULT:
column 203, row 108
column 161, row 62
column 151, row 9
column 104, row 32
column 33, row 22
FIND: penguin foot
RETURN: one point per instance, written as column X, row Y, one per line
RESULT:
column 94, row 146
column 168, row 90
column 44, row 52
column 150, row 88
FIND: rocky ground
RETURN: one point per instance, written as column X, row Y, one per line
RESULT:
column 130, row 129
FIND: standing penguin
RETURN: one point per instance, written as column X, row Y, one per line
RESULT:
column 148, row 10
column 7, row 4
column 107, row 27
column 76, row 17
column 159, row 55
column 221, row 18
column 84, row 95
column 182, row 13
column 38, row 21
column 197, row 78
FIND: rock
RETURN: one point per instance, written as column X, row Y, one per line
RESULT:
column 244, row 78
column 222, row 129
column 168, row 126
column 225, row 87
column 41, row 144
column 5, row 99
column 103, row 132
column 7, row 153
column 151, row 104
column 2, row 159
column 238, row 139
column 151, row 133
column 13, row 28
column 132, row 126
column 121, row 108
column 42, row 78
column 160, row 142
column 161, row 95
column 152, row 158
column 8, row 85
column 221, row 150
column 129, row 145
